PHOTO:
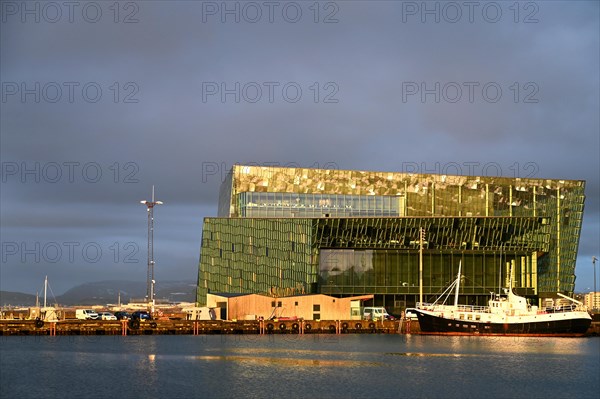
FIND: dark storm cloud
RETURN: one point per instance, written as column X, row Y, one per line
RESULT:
column 164, row 129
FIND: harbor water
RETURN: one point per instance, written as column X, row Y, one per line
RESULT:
column 295, row 366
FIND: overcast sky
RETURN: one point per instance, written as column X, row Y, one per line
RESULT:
column 100, row 102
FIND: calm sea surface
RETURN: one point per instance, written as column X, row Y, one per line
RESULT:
column 292, row 366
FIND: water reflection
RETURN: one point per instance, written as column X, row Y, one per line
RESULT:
column 495, row 344
column 408, row 354
column 386, row 365
column 289, row 361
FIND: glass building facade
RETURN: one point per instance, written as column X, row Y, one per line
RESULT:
column 285, row 231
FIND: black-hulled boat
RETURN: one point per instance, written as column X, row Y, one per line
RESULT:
column 508, row 314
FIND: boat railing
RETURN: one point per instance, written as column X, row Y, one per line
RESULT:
column 473, row 308
column 432, row 306
column 459, row 308
column 564, row 308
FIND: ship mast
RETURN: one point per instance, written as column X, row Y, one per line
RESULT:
column 457, row 285
column 421, row 241
column 500, row 273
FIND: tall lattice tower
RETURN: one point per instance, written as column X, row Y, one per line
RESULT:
column 150, row 277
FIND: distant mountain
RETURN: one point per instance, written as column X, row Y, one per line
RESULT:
column 176, row 291
column 104, row 292
column 8, row 298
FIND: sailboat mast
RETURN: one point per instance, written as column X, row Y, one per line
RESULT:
column 457, row 285
column 45, row 290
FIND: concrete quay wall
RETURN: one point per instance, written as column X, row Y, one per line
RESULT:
column 174, row 327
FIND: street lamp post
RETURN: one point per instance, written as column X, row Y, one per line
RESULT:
column 150, row 277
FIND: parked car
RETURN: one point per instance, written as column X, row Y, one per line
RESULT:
column 123, row 315
column 106, row 316
column 141, row 315
column 410, row 314
column 86, row 314
column 376, row 313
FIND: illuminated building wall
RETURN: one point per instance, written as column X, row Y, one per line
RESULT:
column 291, row 230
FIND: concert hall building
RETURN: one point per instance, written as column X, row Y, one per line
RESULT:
column 293, row 231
